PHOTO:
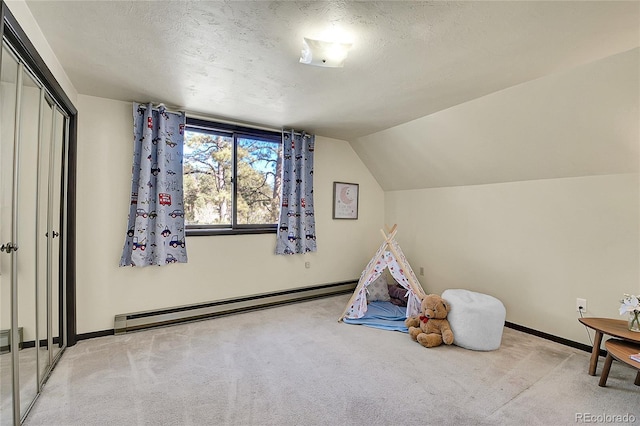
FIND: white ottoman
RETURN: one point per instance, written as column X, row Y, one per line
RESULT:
column 476, row 319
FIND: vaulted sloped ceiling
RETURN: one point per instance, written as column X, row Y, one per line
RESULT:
column 238, row 60
column 581, row 122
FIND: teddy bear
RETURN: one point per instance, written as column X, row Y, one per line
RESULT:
column 431, row 327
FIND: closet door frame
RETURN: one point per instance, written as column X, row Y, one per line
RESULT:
column 17, row 38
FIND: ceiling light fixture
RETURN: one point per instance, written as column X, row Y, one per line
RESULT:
column 324, row 53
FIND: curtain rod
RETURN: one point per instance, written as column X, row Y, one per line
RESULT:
column 144, row 106
column 204, row 117
column 236, row 123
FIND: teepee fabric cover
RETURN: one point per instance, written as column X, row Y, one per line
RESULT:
column 396, row 262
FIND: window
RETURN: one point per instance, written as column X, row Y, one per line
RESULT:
column 231, row 178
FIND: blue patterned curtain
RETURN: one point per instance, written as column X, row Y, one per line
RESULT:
column 297, row 226
column 155, row 232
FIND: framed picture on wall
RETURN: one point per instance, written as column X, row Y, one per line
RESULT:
column 345, row 200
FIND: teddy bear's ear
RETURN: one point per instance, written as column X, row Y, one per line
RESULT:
column 446, row 305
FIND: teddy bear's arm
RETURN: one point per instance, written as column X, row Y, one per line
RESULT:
column 447, row 334
column 412, row 321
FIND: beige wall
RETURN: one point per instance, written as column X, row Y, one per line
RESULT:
column 540, row 241
column 535, row 245
column 219, row 266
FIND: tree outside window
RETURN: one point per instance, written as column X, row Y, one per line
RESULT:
column 231, row 178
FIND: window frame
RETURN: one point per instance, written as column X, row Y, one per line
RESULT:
column 235, row 132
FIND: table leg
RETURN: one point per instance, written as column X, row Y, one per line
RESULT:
column 605, row 370
column 595, row 353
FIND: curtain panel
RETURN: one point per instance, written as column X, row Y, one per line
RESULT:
column 297, row 225
column 155, row 229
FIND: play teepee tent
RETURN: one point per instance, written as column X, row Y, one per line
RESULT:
column 389, row 256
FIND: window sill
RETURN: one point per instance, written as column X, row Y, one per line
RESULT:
column 204, row 232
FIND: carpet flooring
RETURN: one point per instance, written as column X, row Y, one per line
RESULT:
column 297, row 365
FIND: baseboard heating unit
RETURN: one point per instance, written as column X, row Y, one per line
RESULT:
column 125, row 323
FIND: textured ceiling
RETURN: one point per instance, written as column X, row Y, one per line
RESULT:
column 239, row 60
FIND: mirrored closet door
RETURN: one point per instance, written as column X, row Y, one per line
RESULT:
column 34, row 132
column 8, row 85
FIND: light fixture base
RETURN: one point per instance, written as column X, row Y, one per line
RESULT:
column 324, row 53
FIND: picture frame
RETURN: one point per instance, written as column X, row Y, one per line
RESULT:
column 345, row 200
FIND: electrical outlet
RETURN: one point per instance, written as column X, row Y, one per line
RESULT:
column 421, row 271
column 581, row 305
column 307, row 265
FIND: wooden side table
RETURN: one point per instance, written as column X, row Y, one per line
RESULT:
column 620, row 350
column 610, row 326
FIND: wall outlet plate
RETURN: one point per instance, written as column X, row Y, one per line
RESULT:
column 581, row 303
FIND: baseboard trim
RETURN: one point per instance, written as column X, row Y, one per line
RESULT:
column 553, row 338
column 94, row 334
column 266, row 300
column 124, row 323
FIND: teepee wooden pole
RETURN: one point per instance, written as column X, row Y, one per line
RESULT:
column 389, row 236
